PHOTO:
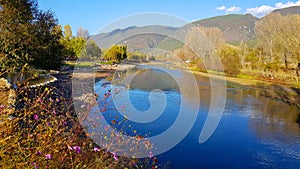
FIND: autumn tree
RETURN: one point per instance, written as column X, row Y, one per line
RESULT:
column 279, row 38
column 231, row 60
column 204, row 43
column 68, row 34
column 27, row 36
column 73, row 46
column 266, row 30
column 116, row 53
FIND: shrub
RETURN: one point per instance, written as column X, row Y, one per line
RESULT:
column 41, row 131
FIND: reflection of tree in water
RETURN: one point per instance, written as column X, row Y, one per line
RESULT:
column 270, row 119
column 272, row 122
column 151, row 78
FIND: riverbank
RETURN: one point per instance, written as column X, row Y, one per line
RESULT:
column 271, row 89
column 46, row 123
column 284, row 92
column 100, row 71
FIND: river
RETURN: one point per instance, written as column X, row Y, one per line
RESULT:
column 254, row 131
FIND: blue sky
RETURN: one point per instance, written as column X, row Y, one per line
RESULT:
column 96, row 14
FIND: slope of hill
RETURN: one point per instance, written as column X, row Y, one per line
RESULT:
column 148, row 36
column 235, row 27
column 143, row 41
column 289, row 10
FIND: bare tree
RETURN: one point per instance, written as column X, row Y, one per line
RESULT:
column 83, row 33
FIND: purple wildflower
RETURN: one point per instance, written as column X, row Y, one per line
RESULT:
column 115, row 156
column 40, row 100
column 64, row 122
column 38, row 153
column 96, row 149
column 48, row 156
column 77, row 149
column 35, row 165
column 49, row 124
column 54, row 112
column 36, row 117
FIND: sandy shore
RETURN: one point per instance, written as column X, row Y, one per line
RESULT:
column 102, row 71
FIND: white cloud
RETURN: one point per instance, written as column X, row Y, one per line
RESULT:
column 221, row 8
column 288, row 4
column 232, row 9
column 260, row 11
column 263, row 10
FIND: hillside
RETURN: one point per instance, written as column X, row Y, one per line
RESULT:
column 289, row 10
column 134, row 37
column 235, row 27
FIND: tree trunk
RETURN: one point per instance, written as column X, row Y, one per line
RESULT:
column 297, row 70
column 285, row 61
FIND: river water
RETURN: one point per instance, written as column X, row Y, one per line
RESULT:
column 254, row 131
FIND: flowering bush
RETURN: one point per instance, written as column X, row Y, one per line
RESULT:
column 41, row 131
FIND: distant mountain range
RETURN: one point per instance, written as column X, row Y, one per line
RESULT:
column 135, row 37
column 235, row 27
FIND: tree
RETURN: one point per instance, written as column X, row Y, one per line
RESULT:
column 214, row 36
column 116, row 53
column 68, row 32
column 230, row 58
column 50, row 51
column 266, row 30
column 26, row 36
column 83, row 33
column 204, row 42
column 73, row 46
column 77, row 45
column 91, row 50
column 279, row 38
column 16, row 33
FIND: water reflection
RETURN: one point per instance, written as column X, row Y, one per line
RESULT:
column 258, row 131
column 150, row 79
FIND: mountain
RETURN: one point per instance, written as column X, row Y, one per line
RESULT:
column 235, row 27
column 134, row 37
column 289, row 10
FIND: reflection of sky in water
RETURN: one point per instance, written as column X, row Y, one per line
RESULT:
column 139, row 99
column 255, row 132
